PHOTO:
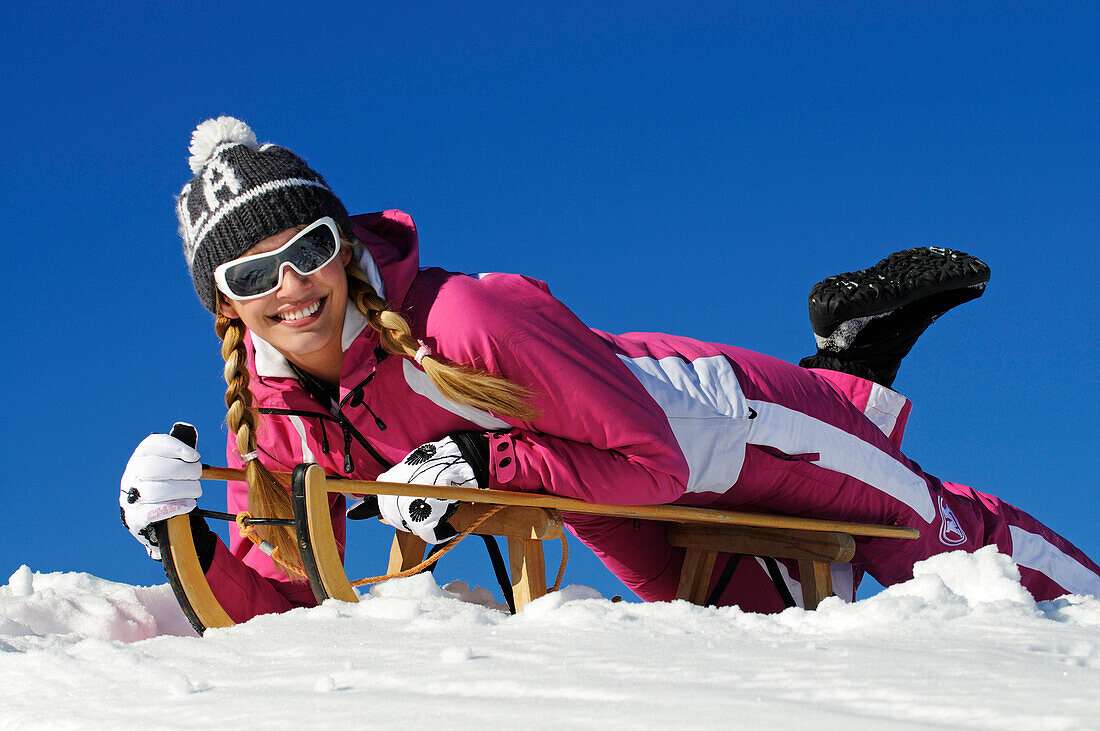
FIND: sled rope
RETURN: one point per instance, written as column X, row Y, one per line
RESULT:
column 435, row 556
column 249, row 531
column 469, row 529
column 244, row 521
column 561, row 567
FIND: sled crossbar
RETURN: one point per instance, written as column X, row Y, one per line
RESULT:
column 528, row 519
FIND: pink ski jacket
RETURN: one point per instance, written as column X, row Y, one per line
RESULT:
column 640, row 418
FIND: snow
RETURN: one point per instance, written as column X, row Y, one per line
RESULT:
column 961, row 645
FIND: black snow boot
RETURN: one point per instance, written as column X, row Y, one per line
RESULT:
column 866, row 322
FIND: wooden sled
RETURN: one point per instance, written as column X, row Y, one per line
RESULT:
column 528, row 519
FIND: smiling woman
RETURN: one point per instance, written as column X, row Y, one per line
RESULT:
column 340, row 350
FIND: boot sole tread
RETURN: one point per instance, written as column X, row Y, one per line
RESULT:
column 900, row 279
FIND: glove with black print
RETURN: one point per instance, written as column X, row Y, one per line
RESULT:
column 460, row 459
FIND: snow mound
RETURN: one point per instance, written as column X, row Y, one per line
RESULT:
column 49, row 610
column 961, row 645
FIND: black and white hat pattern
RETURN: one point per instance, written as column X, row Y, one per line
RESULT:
column 242, row 193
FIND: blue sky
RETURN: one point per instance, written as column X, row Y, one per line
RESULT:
column 690, row 169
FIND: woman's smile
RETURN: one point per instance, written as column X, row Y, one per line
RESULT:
column 301, row 315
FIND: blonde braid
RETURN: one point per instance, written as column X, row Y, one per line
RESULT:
column 463, row 384
column 266, row 496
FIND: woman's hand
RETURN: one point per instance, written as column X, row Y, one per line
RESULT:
column 459, row 460
column 161, row 480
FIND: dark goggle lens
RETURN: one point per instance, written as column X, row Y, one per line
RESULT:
column 307, row 254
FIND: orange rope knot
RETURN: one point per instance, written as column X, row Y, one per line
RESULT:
column 249, row 531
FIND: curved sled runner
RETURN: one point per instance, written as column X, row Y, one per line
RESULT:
column 185, row 576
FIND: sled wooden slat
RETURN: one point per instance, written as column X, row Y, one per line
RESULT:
column 817, row 582
column 513, row 522
column 527, row 567
column 799, row 545
column 695, row 575
column 407, row 551
column 523, row 523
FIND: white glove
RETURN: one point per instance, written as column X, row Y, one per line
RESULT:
column 161, row 480
column 436, row 463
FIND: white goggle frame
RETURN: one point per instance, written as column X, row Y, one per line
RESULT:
column 227, row 290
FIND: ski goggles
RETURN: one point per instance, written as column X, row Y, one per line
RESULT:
column 251, row 277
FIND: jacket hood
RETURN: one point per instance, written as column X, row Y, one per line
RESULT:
column 391, row 240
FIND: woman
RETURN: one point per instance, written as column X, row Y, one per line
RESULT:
column 340, row 351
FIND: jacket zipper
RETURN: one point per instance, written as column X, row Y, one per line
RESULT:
column 348, row 430
column 355, row 397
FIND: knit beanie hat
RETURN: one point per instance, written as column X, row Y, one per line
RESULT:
column 242, row 193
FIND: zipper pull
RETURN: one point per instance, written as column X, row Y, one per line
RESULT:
column 348, row 465
column 377, row 420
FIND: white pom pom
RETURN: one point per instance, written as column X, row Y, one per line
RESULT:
column 213, row 132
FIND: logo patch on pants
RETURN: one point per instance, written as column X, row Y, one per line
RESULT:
column 951, row 532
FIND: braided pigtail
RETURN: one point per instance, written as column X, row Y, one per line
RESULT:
column 266, row 496
column 459, row 383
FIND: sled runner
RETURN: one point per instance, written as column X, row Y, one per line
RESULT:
column 525, row 520
column 185, row 575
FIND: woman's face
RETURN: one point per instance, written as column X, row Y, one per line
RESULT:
column 304, row 318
